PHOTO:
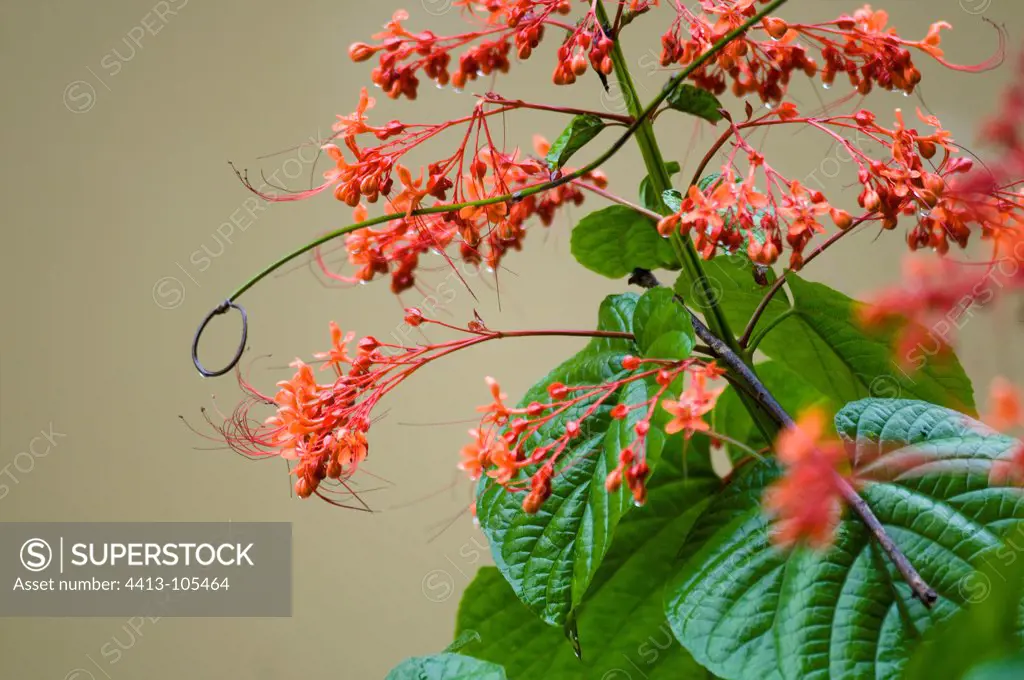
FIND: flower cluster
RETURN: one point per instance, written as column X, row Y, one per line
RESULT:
column 860, row 45
column 504, row 25
column 477, row 170
column 322, row 427
column 807, row 502
column 505, row 445
column 918, row 175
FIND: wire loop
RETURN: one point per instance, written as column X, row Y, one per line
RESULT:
column 222, row 308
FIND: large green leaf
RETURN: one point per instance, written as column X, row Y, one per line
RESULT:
column 823, row 341
column 735, row 290
column 446, row 667
column 580, row 131
column 550, row 557
column 745, row 609
column 827, row 345
column 621, row 625
column 789, row 388
column 615, row 240
column 987, row 629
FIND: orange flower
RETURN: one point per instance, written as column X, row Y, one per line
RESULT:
column 496, row 411
column 338, row 354
column 493, row 213
column 807, row 501
column 354, row 124
column 695, row 402
column 505, row 462
column 477, row 454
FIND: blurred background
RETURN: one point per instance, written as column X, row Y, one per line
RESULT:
column 123, row 225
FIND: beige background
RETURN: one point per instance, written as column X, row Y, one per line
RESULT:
column 112, row 182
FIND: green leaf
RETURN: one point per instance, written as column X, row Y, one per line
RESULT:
column 446, row 667
column 581, row 130
column 673, row 199
column 826, row 344
column 649, row 198
column 746, row 609
column 621, row 624
column 822, row 340
column 794, row 393
column 615, row 240
column 550, row 557
column 662, row 327
column 696, row 101
column 735, row 290
column 1006, row 669
column 986, row 630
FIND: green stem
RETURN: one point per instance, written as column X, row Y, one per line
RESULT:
column 756, row 340
column 683, row 245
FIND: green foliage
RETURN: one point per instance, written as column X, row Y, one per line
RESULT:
column 746, row 609
column 446, row 666
column 822, row 340
column 615, row 240
column 662, row 327
column 795, row 394
column 551, row 557
column 580, row 131
column 621, row 625
column 988, row 629
column 695, row 101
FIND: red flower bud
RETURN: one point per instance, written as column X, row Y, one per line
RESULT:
column 360, row 51
column 558, row 391
column 413, row 316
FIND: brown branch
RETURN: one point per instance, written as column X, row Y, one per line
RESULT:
column 922, row 591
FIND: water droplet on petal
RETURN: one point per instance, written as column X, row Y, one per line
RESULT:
column 827, row 86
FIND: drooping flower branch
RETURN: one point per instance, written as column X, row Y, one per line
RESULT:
column 862, row 46
column 920, row 177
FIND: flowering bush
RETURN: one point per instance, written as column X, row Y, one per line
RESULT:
column 848, row 525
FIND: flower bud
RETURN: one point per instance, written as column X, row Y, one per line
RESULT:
column 413, row 316
column 360, row 51
column 775, row 26
column 558, row 391
column 842, row 219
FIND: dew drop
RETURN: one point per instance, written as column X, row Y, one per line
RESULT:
column 438, row 85
column 637, row 503
column 457, row 90
column 827, row 86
